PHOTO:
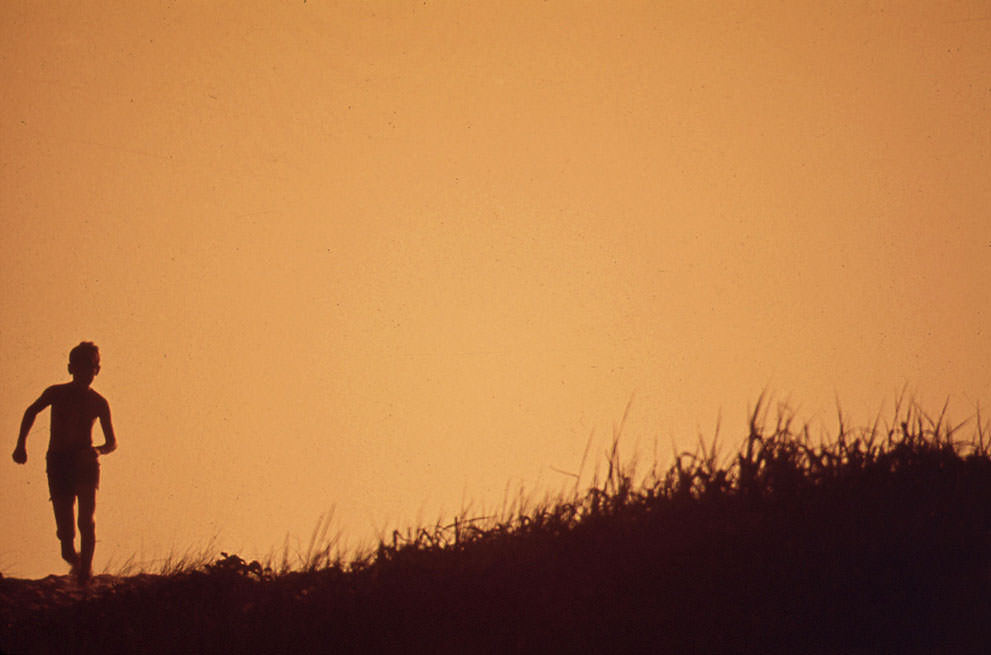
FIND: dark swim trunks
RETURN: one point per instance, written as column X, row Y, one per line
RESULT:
column 70, row 472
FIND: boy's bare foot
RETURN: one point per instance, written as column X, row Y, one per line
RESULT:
column 83, row 574
column 70, row 555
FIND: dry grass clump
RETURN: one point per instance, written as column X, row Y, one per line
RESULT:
column 876, row 539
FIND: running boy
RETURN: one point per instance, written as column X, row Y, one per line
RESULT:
column 73, row 468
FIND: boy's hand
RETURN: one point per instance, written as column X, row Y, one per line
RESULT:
column 105, row 449
column 20, row 455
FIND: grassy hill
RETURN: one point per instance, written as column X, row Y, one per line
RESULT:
column 876, row 540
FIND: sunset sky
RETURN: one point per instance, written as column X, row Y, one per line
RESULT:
column 399, row 258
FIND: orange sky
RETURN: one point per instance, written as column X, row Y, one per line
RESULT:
column 393, row 257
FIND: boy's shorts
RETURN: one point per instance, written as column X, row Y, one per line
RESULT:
column 70, row 473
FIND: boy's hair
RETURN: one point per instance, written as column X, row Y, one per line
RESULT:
column 83, row 354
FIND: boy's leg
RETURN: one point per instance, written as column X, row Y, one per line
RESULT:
column 65, row 528
column 87, row 531
column 60, row 490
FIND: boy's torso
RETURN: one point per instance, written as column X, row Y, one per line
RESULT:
column 74, row 409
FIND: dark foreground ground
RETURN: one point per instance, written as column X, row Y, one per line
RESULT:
column 877, row 542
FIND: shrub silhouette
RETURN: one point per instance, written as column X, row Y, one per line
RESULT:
column 876, row 540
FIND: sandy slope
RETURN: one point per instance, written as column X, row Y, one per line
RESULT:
column 19, row 597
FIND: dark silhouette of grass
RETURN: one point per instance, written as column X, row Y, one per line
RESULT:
column 877, row 540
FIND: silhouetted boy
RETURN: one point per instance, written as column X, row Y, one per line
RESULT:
column 73, row 467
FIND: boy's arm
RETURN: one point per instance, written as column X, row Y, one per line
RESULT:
column 109, row 439
column 20, row 451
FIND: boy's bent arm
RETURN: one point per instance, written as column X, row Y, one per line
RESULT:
column 20, row 451
column 109, row 439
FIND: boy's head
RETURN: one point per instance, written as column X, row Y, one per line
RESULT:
column 84, row 361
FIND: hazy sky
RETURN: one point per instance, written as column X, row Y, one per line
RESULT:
column 394, row 257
